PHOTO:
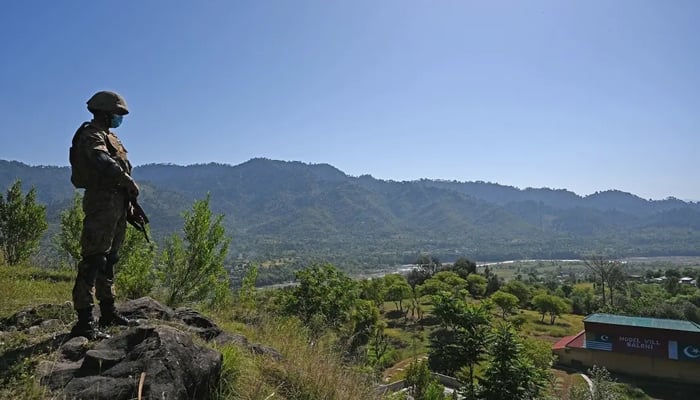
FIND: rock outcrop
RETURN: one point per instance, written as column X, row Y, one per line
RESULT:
column 156, row 359
column 172, row 366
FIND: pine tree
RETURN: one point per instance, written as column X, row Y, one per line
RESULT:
column 510, row 374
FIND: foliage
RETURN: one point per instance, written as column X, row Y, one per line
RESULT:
column 397, row 289
column 510, row 374
column 463, row 267
column 364, row 325
column 359, row 223
column 554, row 305
column 193, row 270
column 603, row 387
column 22, row 223
column 311, row 368
column 507, row 302
column 493, row 285
column 135, row 275
column 606, row 272
column 421, row 383
column 247, row 293
column 476, row 285
column 443, row 281
column 583, row 300
column 374, row 290
column 462, row 340
column 518, row 289
column 324, row 297
column 67, row 240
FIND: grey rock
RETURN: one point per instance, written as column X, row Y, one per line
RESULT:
column 226, row 338
column 103, row 388
column 145, row 308
column 258, row 348
column 35, row 315
column 174, row 366
column 74, row 349
column 33, row 330
column 98, row 360
column 50, row 324
column 203, row 326
column 56, row 374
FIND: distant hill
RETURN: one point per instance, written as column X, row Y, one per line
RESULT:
column 279, row 210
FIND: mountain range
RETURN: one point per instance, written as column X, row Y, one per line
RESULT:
column 291, row 212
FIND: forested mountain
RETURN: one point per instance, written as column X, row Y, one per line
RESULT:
column 296, row 212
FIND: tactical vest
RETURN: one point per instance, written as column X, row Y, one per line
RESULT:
column 83, row 172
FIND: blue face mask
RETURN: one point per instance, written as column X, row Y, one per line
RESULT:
column 116, row 121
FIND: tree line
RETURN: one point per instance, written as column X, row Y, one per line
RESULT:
column 189, row 269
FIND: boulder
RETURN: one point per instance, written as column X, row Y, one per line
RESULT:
column 161, row 347
column 145, row 308
column 74, row 349
column 174, row 367
column 203, row 326
column 36, row 315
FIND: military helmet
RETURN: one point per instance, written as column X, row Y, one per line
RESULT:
column 107, row 101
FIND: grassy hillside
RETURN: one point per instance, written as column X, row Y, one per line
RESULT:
column 305, row 372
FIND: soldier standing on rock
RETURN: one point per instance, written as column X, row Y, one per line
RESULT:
column 100, row 166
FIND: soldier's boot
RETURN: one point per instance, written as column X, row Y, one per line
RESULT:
column 110, row 315
column 86, row 326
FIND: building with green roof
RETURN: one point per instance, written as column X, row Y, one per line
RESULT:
column 661, row 348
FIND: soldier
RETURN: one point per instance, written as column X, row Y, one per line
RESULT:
column 99, row 164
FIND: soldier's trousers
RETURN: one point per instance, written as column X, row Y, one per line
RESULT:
column 103, row 233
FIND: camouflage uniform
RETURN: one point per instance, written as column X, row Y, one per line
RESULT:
column 100, row 166
column 105, row 206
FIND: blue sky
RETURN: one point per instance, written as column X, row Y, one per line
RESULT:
column 582, row 95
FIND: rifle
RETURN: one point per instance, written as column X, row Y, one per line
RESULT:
column 137, row 218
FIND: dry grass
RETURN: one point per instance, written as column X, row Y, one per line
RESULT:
column 308, row 371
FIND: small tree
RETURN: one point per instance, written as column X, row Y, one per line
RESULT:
column 247, row 292
column 373, row 289
column 421, row 383
column 507, row 302
column 67, row 241
column 22, row 223
column 603, row 386
column 135, row 275
column 605, row 272
column 364, row 321
column 518, row 289
column 476, row 285
column 397, row 289
column 324, row 297
column 510, row 374
column 192, row 269
column 464, row 267
column 462, row 340
column 554, row 305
